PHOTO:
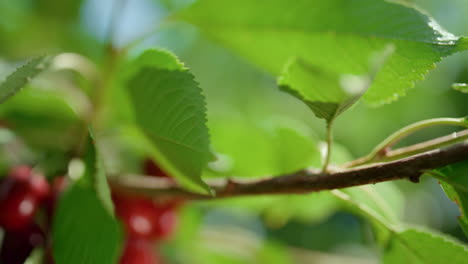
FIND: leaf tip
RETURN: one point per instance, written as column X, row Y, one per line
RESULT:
column 461, row 87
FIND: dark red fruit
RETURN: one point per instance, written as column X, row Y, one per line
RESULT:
column 37, row 182
column 17, row 207
column 59, row 184
column 152, row 169
column 39, row 186
column 21, row 173
column 139, row 251
column 17, row 245
column 165, row 223
column 140, row 216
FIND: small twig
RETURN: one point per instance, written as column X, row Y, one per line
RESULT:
column 404, row 152
column 441, row 142
column 383, row 150
column 303, row 181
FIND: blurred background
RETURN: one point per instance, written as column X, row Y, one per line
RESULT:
column 245, row 111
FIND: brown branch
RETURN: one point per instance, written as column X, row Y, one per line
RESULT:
column 303, row 181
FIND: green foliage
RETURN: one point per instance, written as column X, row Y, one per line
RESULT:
column 21, row 76
column 328, row 94
column 170, row 110
column 84, row 227
column 401, row 244
column 43, row 119
column 384, row 199
column 415, row 246
column 329, row 54
column 84, row 231
column 157, row 58
column 462, row 87
column 381, row 205
column 95, row 176
column 455, row 184
column 36, row 257
column 344, row 32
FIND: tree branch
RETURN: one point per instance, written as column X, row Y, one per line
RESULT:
column 303, row 181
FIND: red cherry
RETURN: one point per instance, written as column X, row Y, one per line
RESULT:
column 38, row 183
column 39, row 186
column 17, row 207
column 165, row 223
column 21, row 173
column 139, row 251
column 152, row 169
column 6, row 184
column 59, row 184
column 138, row 216
column 17, row 245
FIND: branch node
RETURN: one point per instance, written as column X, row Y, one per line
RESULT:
column 415, row 178
column 383, row 152
column 230, row 185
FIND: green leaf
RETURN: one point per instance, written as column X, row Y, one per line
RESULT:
column 56, row 125
column 381, row 204
column 95, row 176
column 461, row 87
column 415, row 246
column 84, row 232
column 36, row 257
column 85, row 229
column 21, row 76
column 401, row 244
column 152, row 58
column 384, row 200
column 327, row 94
column 453, row 179
column 337, row 36
column 170, row 110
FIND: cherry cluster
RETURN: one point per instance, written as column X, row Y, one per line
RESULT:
column 28, row 201
column 23, row 193
column 145, row 222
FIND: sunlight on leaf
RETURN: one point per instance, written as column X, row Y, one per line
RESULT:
column 461, row 87
column 336, row 36
column 329, row 94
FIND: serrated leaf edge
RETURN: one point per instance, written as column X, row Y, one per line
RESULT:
column 39, row 61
